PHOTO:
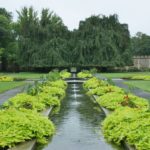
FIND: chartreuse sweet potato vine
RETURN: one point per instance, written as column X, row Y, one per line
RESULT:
column 130, row 117
column 130, row 124
column 93, row 83
column 140, row 77
column 84, row 74
column 19, row 125
column 6, row 78
column 65, row 74
column 114, row 100
column 19, row 117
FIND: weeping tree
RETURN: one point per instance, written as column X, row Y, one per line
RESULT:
column 45, row 41
column 102, row 41
column 140, row 44
column 42, row 41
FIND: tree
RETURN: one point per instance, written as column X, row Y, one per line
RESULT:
column 102, row 41
column 7, row 38
column 42, row 41
column 45, row 41
column 140, row 44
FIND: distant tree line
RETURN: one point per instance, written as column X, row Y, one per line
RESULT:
column 140, row 44
column 34, row 42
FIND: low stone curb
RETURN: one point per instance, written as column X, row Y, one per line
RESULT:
column 108, row 112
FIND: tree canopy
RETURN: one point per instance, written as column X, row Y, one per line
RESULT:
column 141, row 44
column 102, row 41
column 42, row 40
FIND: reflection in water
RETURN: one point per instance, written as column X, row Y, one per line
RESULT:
column 78, row 124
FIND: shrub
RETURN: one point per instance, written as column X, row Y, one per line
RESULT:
column 84, row 74
column 53, row 91
column 64, row 74
column 6, row 78
column 115, row 100
column 59, row 84
column 99, row 91
column 132, row 125
column 141, row 77
column 19, row 125
column 26, row 101
column 93, row 83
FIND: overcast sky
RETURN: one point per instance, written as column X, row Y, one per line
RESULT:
column 136, row 13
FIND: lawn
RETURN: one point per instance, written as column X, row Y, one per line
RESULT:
column 4, row 86
column 124, row 74
column 144, row 85
column 24, row 75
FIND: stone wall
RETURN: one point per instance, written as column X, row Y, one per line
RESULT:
column 141, row 61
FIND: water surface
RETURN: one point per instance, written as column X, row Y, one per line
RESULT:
column 78, row 124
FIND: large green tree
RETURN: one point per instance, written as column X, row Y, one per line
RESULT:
column 8, row 45
column 102, row 41
column 42, row 41
column 140, row 44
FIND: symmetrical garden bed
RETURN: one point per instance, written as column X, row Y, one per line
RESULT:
column 129, row 117
column 21, row 116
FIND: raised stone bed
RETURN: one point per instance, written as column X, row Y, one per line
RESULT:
column 108, row 112
column 30, row 145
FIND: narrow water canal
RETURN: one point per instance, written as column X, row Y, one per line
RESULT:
column 78, row 124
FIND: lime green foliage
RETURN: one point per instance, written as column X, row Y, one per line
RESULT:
column 144, row 85
column 4, row 86
column 141, row 77
column 64, row 74
column 54, row 91
column 26, row 101
column 48, row 100
column 130, row 120
column 19, row 125
column 53, row 76
column 93, row 83
column 115, row 100
column 59, row 83
column 20, row 120
column 6, row 78
column 132, row 125
column 37, row 103
column 84, row 74
column 49, row 94
column 105, row 89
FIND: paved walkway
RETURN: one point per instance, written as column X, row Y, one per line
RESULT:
column 8, row 94
column 136, row 91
